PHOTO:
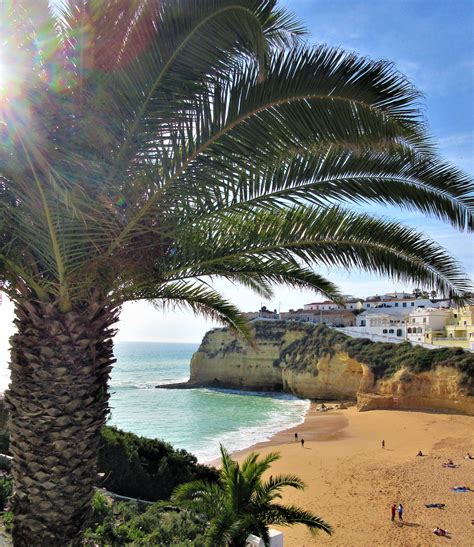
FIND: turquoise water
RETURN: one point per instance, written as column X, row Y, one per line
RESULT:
column 194, row 419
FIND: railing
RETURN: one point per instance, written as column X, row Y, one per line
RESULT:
column 459, row 338
column 353, row 333
column 359, row 332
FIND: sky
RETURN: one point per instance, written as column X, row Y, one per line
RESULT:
column 431, row 42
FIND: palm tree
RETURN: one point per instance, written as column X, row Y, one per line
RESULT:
column 241, row 503
column 149, row 146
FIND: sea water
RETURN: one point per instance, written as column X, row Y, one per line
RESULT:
column 197, row 420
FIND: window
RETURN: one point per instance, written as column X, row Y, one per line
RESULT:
column 367, row 305
column 399, row 332
column 465, row 323
column 404, row 304
column 409, row 330
column 362, row 323
column 413, row 321
column 384, row 331
column 424, row 319
column 412, row 304
column 391, row 331
column 396, row 304
column 419, row 330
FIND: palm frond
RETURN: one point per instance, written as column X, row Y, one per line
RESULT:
column 287, row 515
column 325, row 175
column 326, row 237
column 197, row 296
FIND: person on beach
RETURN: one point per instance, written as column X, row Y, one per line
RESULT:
column 400, row 511
column 420, row 453
column 394, row 510
column 296, row 436
column 302, row 443
column 383, row 444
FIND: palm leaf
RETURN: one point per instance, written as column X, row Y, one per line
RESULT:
column 287, row 515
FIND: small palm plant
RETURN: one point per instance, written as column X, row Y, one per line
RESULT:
column 242, row 503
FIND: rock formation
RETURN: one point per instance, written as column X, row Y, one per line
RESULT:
column 320, row 363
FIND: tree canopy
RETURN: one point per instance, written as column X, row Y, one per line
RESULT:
column 149, row 146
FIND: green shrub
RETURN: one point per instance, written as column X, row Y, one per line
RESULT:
column 5, row 491
column 138, row 467
column 5, row 464
column 383, row 359
column 143, row 468
column 318, row 341
column 124, row 524
column 386, row 359
column 8, row 521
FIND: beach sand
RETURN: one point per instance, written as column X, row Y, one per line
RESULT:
column 352, row 481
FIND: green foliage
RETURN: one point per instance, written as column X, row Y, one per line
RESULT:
column 303, row 354
column 383, row 359
column 6, row 487
column 5, row 463
column 138, row 467
column 386, row 359
column 125, row 524
column 204, row 128
column 143, row 468
column 8, row 521
column 242, row 502
column 101, row 507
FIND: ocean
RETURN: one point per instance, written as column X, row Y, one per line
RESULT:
column 194, row 419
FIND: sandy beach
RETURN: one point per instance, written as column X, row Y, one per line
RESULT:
column 352, row 481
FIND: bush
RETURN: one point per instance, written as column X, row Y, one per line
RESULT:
column 5, row 491
column 143, row 468
column 138, row 467
column 383, row 359
column 386, row 359
column 8, row 521
column 318, row 341
column 124, row 524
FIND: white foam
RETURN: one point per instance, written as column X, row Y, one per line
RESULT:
column 246, row 436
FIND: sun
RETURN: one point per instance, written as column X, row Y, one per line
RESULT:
column 12, row 75
column 2, row 76
column 6, row 80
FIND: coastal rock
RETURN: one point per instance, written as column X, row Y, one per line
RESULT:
column 438, row 389
column 333, row 377
column 301, row 360
column 228, row 362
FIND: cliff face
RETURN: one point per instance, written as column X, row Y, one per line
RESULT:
column 288, row 357
column 221, row 359
column 333, row 377
column 438, row 389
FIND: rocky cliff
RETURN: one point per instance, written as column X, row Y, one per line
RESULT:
column 320, row 363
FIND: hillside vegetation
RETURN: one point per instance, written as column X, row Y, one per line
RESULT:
column 383, row 359
column 135, row 466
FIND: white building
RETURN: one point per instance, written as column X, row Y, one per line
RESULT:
column 406, row 304
column 397, row 294
column 353, row 304
column 350, row 303
column 389, row 322
column 421, row 323
column 323, row 306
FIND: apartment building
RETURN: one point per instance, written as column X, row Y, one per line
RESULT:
column 424, row 323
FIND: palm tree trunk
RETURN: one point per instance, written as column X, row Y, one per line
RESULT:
column 58, row 403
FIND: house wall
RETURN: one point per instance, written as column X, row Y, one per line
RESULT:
column 422, row 324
